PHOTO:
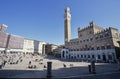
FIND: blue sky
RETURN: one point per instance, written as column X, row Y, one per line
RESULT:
column 44, row 19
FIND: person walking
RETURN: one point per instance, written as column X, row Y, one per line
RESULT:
column 29, row 62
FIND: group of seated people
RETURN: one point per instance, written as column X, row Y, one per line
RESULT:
column 14, row 60
column 32, row 66
column 64, row 65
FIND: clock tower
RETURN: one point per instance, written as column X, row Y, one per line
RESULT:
column 67, row 25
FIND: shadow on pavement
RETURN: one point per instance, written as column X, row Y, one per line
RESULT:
column 72, row 72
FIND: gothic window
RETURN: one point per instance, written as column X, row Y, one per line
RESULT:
column 98, row 48
column 87, row 40
column 84, row 40
column 96, row 38
column 81, row 56
column 81, row 49
column 101, row 36
column 80, row 41
column 108, row 47
column 110, row 57
column 90, row 32
column 77, row 42
column 69, row 49
column 63, row 54
column 91, row 39
column 93, row 56
column 102, row 47
column 106, row 35
column 66, row 52
column 84, row 49
column 80, row 35
column 88, row 56
column 74, row 57
column 92, row 48
column 86, row 46
column 88, row 49
column 99, row 57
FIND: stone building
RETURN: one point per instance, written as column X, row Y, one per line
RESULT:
column 57, row 51
column 3, row 37
column 28, row 46
column 10, row 43
column 33, row 46
column 14, row 44
column 93, row 43
column 49, row 49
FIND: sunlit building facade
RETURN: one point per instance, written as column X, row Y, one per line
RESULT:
column 93, row 43
column 41, row 47
column 28, row 46
column 10, row 43
column 3, row 37
column 14, row 44
column 49, row 48
column 33, row 46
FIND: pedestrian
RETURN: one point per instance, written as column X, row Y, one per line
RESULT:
column 4, row 62
column 71, row 65
column 44, row 66
column 64, row 65
column 29, row 62
column 21, row 60
column 17, row 62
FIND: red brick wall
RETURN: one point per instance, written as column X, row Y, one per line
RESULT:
column 3, row 39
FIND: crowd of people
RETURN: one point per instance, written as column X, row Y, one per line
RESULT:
column 16, row 58
column 30, row 61
column 10, row 58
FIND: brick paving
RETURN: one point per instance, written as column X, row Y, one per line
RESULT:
column 78, row 70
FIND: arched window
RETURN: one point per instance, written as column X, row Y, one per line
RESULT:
column 81, row 56
column 92, row 48
column 102, row 47
column 66, row 52
column 106, row 35
column 110, row 57
column 101, row 36
column 99, row 57
column 88, row 56
column 93, row 56
column 98, row 48
column 63, row 55
column 108, row 47
column 77, row 56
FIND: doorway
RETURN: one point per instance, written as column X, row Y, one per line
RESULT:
column 104, row 57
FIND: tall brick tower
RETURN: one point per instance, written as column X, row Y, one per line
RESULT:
column 67, row 25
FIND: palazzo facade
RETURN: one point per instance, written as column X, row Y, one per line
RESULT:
column 93, row 42
column 10, row 43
